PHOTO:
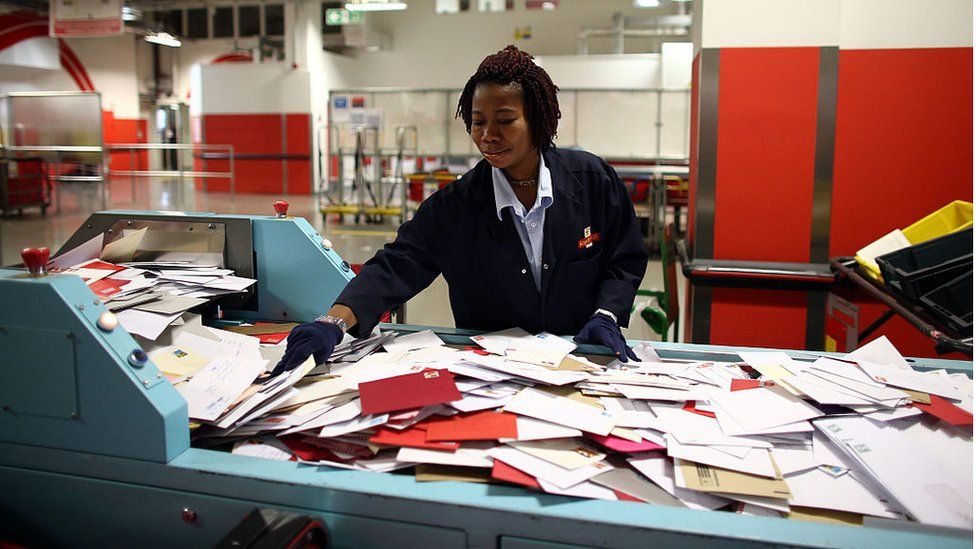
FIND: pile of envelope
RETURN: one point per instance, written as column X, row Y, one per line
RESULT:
column 148, row 296
column 846, row 438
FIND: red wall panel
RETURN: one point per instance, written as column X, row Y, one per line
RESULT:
column 125, row 130
column 298, row 132
column 767, row 125
column 261, row 134
column 249, row 134
column 767, row 318
column 904, row 141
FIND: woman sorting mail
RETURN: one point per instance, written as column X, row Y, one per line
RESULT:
column 533, row 236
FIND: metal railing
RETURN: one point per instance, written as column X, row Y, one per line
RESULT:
column 179, row 172
column 58, row 155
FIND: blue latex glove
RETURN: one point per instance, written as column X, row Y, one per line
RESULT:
column 602, row 330
column 317, row 339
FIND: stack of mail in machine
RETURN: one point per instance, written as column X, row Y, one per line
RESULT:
column 859, row 438
column 153, row 293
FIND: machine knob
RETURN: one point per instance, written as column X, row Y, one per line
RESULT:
column 281, row 208
column 138, row 358
column 326, row 243
column 107, row 321
column 36, row 260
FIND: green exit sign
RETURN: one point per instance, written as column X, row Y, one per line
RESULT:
column 340, row 16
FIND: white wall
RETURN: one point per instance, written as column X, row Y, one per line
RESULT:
column 38, row 53
column 235, row 88
column 110, row 62
column 442, row 50
column 849, row 24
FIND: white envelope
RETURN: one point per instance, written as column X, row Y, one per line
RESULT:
column 756, row 462
column 411, row 342
column 691, row 428
column 794, row 459
column 635, row 414
column 762, row 408
column 816, row 488
column 915, row 475
column 879, row 351
column 657, row 393
column 537, row 429
column 563, row 411
column 466, row 456
column 587, row 490
column 543, row 470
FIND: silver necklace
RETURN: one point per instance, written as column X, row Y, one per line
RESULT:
column 524, row 183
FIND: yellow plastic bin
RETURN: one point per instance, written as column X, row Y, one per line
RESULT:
column 954, row 216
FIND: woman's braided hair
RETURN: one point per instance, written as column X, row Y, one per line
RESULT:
column 512, row 65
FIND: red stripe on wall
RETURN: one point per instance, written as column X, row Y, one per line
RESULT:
column 904, row 141
column 770, row 318
column 73, row 65
column 766, row 142
column 14, row 30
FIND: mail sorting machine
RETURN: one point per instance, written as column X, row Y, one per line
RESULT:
column 95, row 447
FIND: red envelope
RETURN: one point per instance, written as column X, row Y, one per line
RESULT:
column 504, row 472
column 625, row 446
column 408, row 391
column 742, row 384
column 946, row 411
column 413, row 438
column 308, row 452
column 107, row 286
column 487, row 425
column 690, row 407
column 626, row 497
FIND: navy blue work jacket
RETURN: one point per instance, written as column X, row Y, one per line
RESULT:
column 593, row 255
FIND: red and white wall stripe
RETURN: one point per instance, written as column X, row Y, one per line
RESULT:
column 817, row 127
column 24, row 36
column 264, row 111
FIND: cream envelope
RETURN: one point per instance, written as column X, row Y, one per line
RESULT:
column 698, row 476
column 563, row 411
column 660, row 470
column 566, row 453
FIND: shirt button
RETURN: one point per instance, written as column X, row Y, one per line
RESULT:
column 534, row 225
column 524, row 271
column 545, row 266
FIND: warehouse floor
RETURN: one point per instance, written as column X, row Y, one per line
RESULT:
column 355, row 243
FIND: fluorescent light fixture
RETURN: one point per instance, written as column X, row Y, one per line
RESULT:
column 130, row 13
column 647, row 3
column 163, row 39
column 376, row 5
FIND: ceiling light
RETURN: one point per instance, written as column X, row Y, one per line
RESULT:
column 130, row 13
column 376, row 5
column 163, row 39
column 646, row 3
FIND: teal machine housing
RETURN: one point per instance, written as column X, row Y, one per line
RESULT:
column 95, row 448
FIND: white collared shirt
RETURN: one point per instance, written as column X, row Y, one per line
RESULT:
column 529, row 225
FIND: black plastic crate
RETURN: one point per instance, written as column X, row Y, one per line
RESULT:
column 922, row 268
column 953, row 303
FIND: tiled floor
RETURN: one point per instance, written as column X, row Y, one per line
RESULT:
column 355, row 243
